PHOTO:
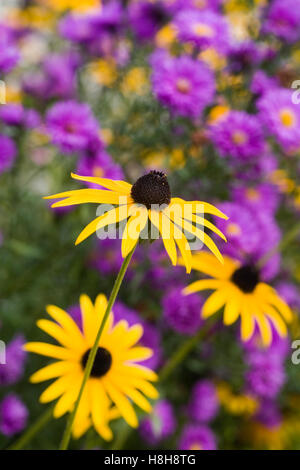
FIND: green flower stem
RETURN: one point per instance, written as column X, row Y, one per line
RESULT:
column 67, row 434
column 180, row 354
column 286, row 240
column 29, row 434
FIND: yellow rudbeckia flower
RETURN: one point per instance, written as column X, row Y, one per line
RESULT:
column 239, row 290
column 117, row 379
column 148, row 199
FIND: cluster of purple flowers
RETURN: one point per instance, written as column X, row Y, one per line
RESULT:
column 13, row 412
column 184, row 85
column 9, row 52
column 265, row 376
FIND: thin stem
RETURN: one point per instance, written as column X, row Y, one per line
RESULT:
column 28, row 435
column 67, row 434
column 289, row 236
column 180, row 354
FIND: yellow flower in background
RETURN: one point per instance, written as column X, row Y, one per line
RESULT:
column 166, row 36
column 147, row 200
column 236, row 404
column 80, row 6
column 117, row 380
column 283, row 182
column 135, row 81
column 212, row 58
column 217, row 113
column 239, row 290
column 104, row 71
column 34, row 16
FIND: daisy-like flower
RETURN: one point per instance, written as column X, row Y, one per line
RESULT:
column 239, row 290
column 117, row 379
column 147, row 200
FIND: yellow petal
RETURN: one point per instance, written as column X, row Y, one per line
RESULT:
column 214, row 302
column 66, row 322
column 206, row 263
column 82, row 419
column 265, row 328
column 201, row 221
column 52, row 371
column 114, row 185
column 145, row 387
column 89, row 319
column 83, row 196
column 137, row 371
column 247, row 320
column 49, row 350
column 276, row 319
column 67, row 400
column 158, row 219
column 56, row 389
column 232, row 309
column 184, row 248
column 100, row 409
column 111, row 217
column 203, row 284
column 138, row 353
column 200, row 207
column 123, row 404
column 135, row 396
column 54, row 330
column 133, row 228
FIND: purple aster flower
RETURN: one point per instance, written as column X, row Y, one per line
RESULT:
column 290, row 293
column 108, row 258
column 13, row 415
column 265, row 194
column 197, row 437
column 283, row 20
column 151, row 336
column 281, row 117
column 101, row 165
column 8, row 151
column 240, row 239
column 268, row 414
column 9, row 57
column 245, row 55
column 56, row 77
column 182, row 313
column 16, row 115
column 266, row 374
column 13, row 369
column 146, row 18
column 259, row 169
column 205, row 29
column 204, row 403
column 160, row 425
column 72, row 126
column 238, row 136
column 261, row 83
column 12, row 114
column 109, row 20
column 184, row 85
column 197, row 4
column 76, row 28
